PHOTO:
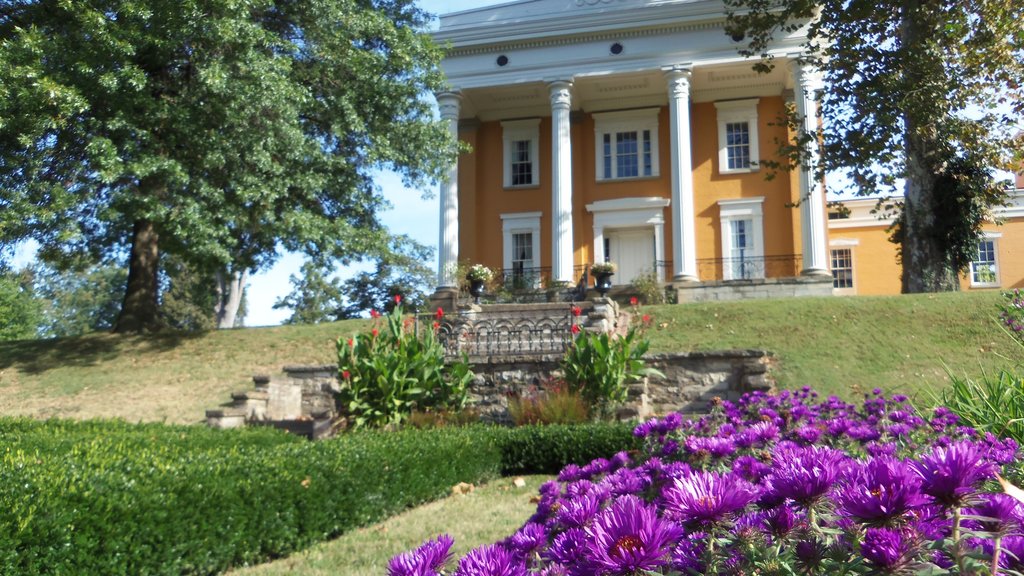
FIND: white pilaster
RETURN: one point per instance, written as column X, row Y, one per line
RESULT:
column 448, row 242
column 561, row 183
column 807, row 85
column 684, row 237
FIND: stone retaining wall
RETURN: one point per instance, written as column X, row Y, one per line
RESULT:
column 753, row 289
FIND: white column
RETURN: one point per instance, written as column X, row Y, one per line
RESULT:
column 448, row 242
column 807, row 85
column 684, row 236
column 561, row 183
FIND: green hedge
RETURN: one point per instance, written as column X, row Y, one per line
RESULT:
column 114, row 498
column 547, row 449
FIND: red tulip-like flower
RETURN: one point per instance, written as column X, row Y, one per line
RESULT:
column 440, row 313
column 575, row 329
column 374, row 314
column 398, row 298
column 634, row 301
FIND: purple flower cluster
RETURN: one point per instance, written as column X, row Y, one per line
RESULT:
column 782, row 480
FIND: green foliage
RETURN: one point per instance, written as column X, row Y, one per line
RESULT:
column 221, row 130
column 315, row 297
column 899, row 80
column 386, row 374
column 21, row 314
column 401, row 274
column 650, row 288
column 600, row 366
column 548, row 449
column 188, row 299
column 555, row 403
column 113, row 498
column 990, row 404
column 79, row 301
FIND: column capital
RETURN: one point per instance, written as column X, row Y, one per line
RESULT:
column 448, row 104
column 806, row 76
column 561, row 95
column 678, row 79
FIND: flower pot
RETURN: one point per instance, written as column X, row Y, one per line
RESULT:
column 603, row 282
column 476, row 290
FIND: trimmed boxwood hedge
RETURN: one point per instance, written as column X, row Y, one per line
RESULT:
column 105, row 497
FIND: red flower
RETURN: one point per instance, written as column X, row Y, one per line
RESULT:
column 374, row 314
column 436, row 326
column 345, row 374
column 351, row 343
column 440, row 313
column 575, row 329
column 398, row 298
column 633, row 301
column 576, row 310
column 646, row 319
column 374, row 332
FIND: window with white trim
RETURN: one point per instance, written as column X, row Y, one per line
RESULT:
column 521, row 249
column 626, row 144
column 737, row 136
column 521, row 140
column 984, row 268
column 742, row 238
column 842, row 268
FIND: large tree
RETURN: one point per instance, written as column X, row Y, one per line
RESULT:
column 927, row 94
column 215, row 131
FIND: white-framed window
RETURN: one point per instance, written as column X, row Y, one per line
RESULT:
column 742, row 238
column 626, row 144
column 521, row 249
column 985, row 266
column 842, row 268
column 521, row 140
column 737, row 136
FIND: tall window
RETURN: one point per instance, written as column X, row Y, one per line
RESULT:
column 742, row 238
column 737, row 135
column 737, row 144
column 984, row 269
column 521, row 141
column 521, row 258
column 842, row 268
column 627, row 144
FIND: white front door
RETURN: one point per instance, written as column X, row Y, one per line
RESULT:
column 632, row 250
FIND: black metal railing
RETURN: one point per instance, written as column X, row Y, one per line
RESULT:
column 506, row 332
column 749, row 268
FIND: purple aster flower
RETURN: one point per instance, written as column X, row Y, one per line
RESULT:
column 809, row 554
column 578, row 511
column 885, row 548
column 707, row 498
column 750, row 469
column 716, row 447
column 997, row 514
column 779, row 521
column 688, row 557
column 567, row 548
column 620, row 460
column 875, row 450
column 628, row 538
column 804, row 474
column 951, row 474
column 1012, row 557
column 807, row 434
column 528, row 540
column 626, row 481
column 863, row 433
column 490, row 560
column 570, row 473
column 427, row 560
column 881, row 491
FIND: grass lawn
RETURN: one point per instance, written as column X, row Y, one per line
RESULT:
column 488, row 514
column 836, row 345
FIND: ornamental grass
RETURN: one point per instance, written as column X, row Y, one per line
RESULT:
column 771, row 484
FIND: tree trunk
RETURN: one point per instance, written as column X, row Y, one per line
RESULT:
column 140, row 309
column 926, row 267
column 229, row 297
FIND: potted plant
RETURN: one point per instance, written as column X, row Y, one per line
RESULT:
column 602, row 272
column 478, row 275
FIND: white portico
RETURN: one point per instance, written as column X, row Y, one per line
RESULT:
column 622, row 120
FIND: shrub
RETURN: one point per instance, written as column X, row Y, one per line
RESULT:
column 555, row 403
column 1011, row 314
column 386, row 374
column 599, row 366
column 547, row 449
column 650, row 288
column 112, row 498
